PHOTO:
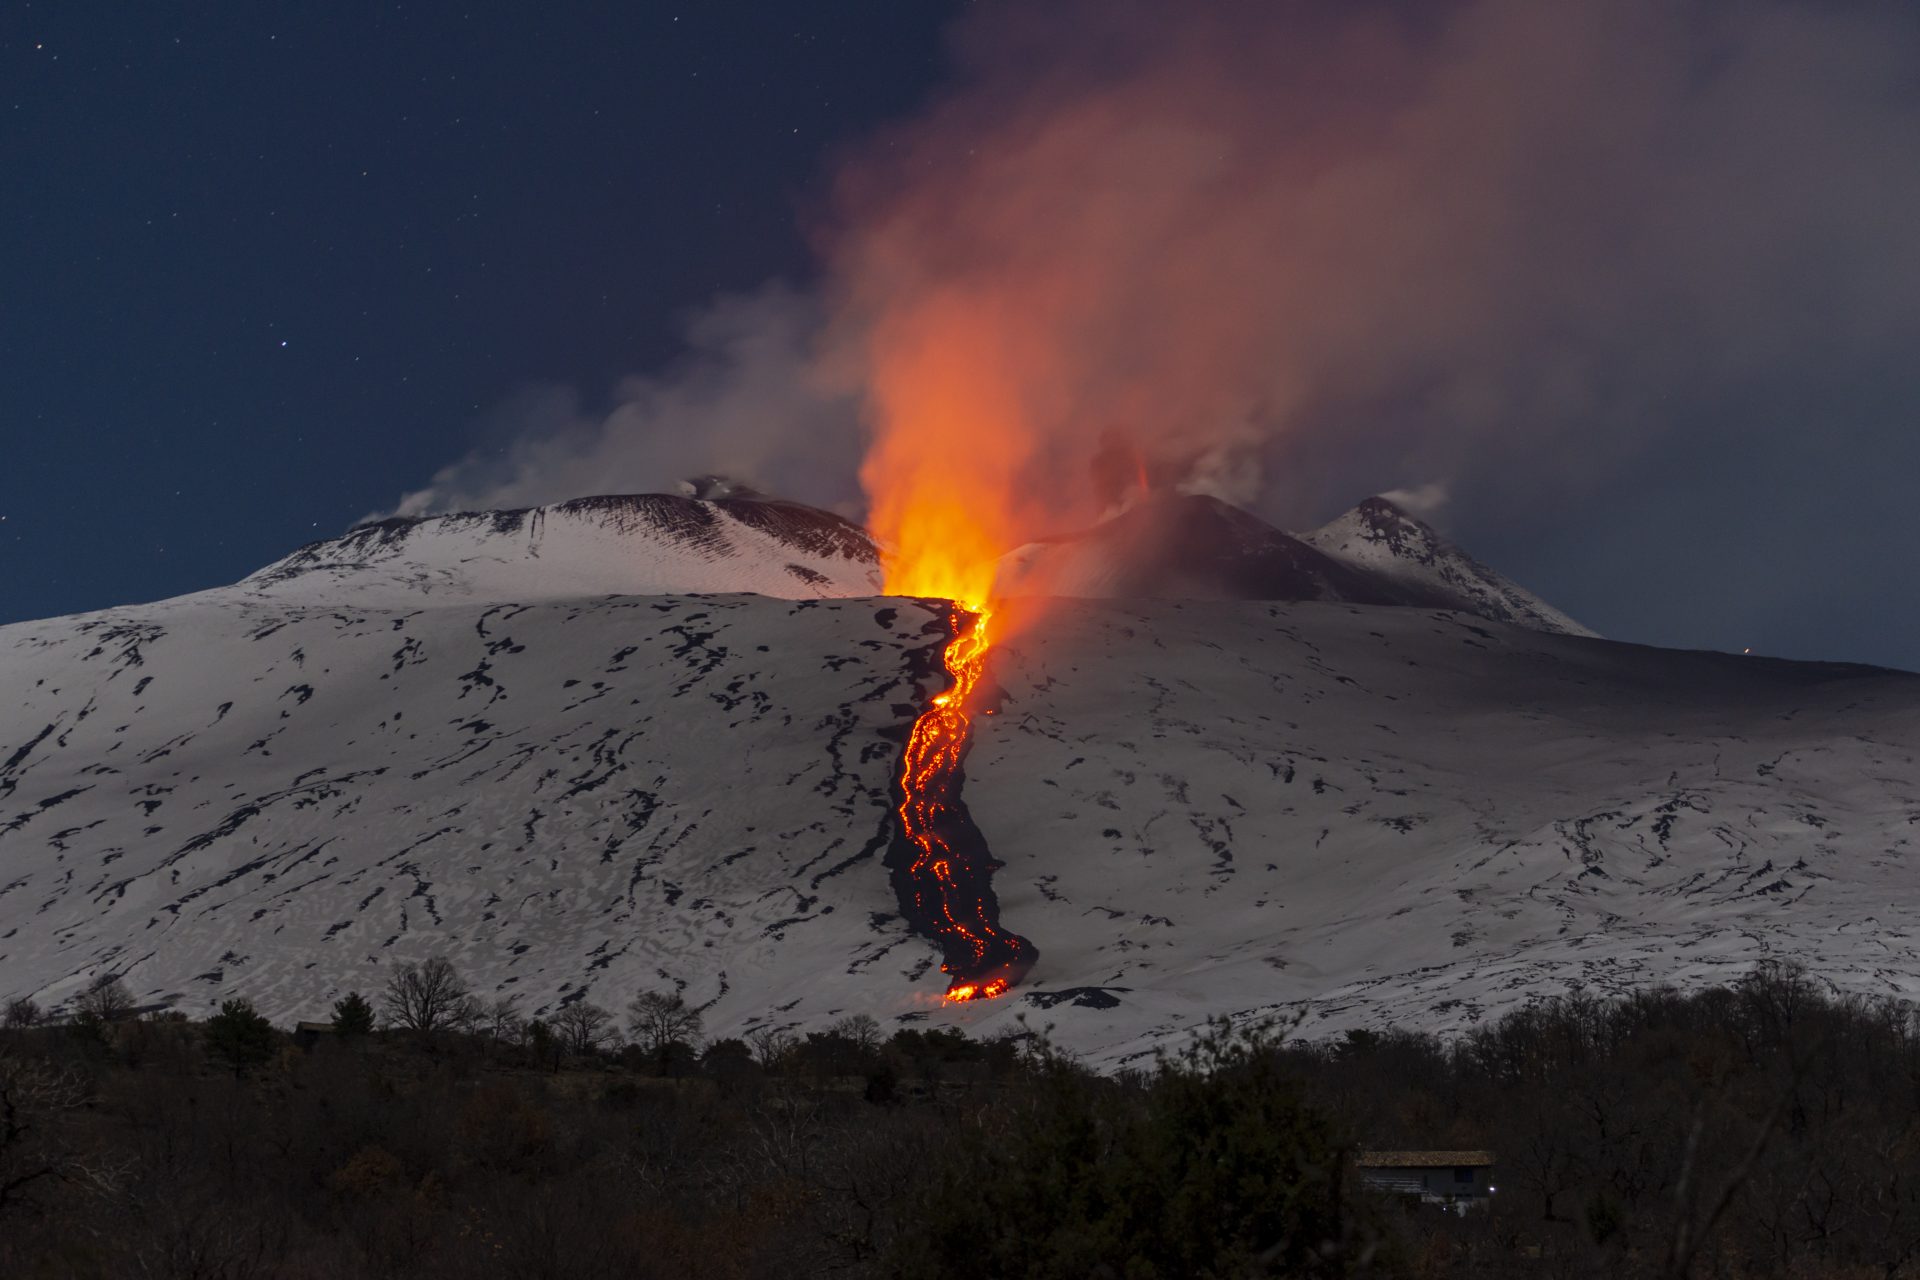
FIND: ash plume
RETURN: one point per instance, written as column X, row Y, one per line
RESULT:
column 1295, row 253
column 1296, row 248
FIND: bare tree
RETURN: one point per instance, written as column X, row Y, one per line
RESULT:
column 425, row 997
column 770, row 1046
column 107, row 1000
column 501, row 1021
column 21, row 1013
column 585, row 1028
column 860, row 1030
column 36, row 1147
column 660, row 1021
column 469, row 1016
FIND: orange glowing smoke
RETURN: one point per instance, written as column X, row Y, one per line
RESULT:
column 951, row 443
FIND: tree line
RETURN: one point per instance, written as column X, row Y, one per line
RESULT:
column 1766, row 1127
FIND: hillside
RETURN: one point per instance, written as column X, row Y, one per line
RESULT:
column 1203, row 807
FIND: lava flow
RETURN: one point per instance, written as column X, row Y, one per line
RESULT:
column 947, row 882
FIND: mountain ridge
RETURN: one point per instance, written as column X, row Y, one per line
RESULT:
column 616, row 543
column 1193, row 546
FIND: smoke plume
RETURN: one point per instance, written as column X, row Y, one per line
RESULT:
column 1295, row 253
column 746, row 401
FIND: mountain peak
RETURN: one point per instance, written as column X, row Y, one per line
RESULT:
column 1379, row 537
column 718, row 486
column 732, row 539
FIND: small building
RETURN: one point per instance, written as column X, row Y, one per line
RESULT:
column 1457, row 1179
column 308, row 1034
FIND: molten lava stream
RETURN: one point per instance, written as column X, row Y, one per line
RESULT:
column 948, row 881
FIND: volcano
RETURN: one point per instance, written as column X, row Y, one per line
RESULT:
column 1186, row 547
column 619, row 744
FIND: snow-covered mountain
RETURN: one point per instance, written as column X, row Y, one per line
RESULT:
column 630, row 544
column 1383, row 813
column 1381, row 539
column 1175, row 547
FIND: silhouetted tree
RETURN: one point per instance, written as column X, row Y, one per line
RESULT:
column 660, row 1022
column 860, row 1030
column 425, row 997
column 771, row 1047
column 501, row 1021
column 1215, row 1165
column 21, row 1013
column 107, row 1000
column 352, row 1015
column 730, row 1062
column 544, row 1045
column 585, row 1028
column 239, row 1036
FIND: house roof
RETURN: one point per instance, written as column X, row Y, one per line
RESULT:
column 1423, row 1159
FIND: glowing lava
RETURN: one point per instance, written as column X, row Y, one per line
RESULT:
column 948, row 881
column 952, row 443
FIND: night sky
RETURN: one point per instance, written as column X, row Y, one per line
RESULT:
column 266, row 266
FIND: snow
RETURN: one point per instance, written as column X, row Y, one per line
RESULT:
column 636, row 545
column 1391, row 816
column 1374, row 814
column 1380, row 538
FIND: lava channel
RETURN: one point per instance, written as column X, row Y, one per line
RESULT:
column 945, row 879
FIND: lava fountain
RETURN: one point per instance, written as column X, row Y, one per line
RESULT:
column 950, row 442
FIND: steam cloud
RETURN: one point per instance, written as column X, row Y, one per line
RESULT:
column 1297, row 253
column 746, row 400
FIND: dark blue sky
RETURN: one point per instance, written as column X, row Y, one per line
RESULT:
column 264, row 266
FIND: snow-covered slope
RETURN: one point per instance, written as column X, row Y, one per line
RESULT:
column 1380, row 539
column 1219, row 807
column 1387, row 815
column 216, row 795
column 629, row 544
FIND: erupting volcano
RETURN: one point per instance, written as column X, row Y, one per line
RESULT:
column 948, row 882
column 943, row 472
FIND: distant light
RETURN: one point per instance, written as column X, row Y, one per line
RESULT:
column 283, row 342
